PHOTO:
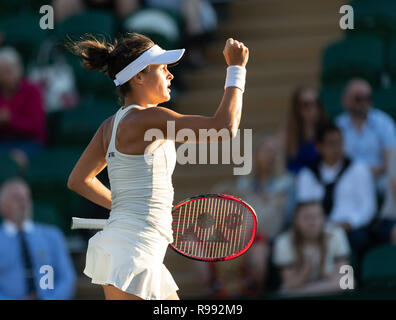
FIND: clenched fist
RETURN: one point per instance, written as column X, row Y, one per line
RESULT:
column 236, row 53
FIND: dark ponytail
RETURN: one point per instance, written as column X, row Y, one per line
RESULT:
column 111, row 58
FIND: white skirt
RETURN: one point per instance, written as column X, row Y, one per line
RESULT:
column 130, row 257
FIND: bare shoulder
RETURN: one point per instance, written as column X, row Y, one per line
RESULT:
column 106, row 128
column 149, row 117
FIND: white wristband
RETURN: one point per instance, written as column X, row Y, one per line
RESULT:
column 236, row 77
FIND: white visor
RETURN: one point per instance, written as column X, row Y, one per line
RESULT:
column 154, row 55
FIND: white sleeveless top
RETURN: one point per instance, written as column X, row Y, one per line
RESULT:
column 141, row 185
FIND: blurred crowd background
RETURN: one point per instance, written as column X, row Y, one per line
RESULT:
column 322, row 105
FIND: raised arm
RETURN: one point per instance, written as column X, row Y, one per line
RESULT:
column 228, row 113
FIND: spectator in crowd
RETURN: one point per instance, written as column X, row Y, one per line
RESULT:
column 269, row 191
column 34, row 260
column 22, row 116
column 385, row 228
column 200, row 21
column 306, row 115
column 368, row 133
column 66, row 8
column 310, row 254
column 344, row 187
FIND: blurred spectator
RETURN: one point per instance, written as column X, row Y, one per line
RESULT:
column 368, row 132
column 311, row 253
column 66, row 8
column 269, row 191
column 345, row 188
column 22, row 116
column 56, row 78
column 25, row 247
column 200, row 20
column 386, row 228
column 306, row 115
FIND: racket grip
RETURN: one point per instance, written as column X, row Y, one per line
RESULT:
column 81, row 223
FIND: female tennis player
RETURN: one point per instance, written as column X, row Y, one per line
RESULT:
column 126, row 257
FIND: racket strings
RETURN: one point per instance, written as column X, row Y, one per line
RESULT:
column 212, row 227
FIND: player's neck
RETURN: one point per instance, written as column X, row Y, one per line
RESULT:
column 130, row 100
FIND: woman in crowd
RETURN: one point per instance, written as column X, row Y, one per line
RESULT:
column 310, row 254
column 306, row 115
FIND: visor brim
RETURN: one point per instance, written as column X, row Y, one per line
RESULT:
column 169, row 57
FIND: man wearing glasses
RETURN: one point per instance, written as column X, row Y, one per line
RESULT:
column 369, row 134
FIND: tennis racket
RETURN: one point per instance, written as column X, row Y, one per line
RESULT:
column 209, row 227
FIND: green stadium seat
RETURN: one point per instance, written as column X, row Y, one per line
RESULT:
column 385, row 100
column 100, row 24
column 9, row 168
column 392, row 59
column 23, row 31
column 378, row 17
column 358, row 56
column 52, row 167
column 95, row 22
column 379, row 267
column 90, row 83
column 160, row 25
column 48, row 174
column 79, row 124
column 46, row 214
column 331, row 96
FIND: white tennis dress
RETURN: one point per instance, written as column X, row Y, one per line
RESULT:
column 128, row 253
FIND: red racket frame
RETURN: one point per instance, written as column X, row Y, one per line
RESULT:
column 223, row 196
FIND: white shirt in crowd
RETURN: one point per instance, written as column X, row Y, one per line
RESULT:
column 389, row 207
column 354, row 194
column 337, row 247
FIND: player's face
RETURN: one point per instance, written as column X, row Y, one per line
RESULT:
column 157, row 82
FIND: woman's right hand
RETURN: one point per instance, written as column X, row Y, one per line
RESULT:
column 236, row 53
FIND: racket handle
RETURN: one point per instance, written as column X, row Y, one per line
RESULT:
column 81, row 223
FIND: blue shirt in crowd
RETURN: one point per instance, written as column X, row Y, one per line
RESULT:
column 306, row 155
column 47, row 247
column 368, row 144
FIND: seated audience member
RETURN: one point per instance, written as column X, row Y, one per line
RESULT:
column 368, row 133
column 310, row 254
column 268, row 190
column 65, row 8
column 386, row 226
column 306, row 115
column 34, row 262
column 200, row 21
column 22, row 115
column 345, row 188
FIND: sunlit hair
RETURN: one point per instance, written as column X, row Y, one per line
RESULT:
column 298, row 239
column 111, row 57
column 294, row 127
